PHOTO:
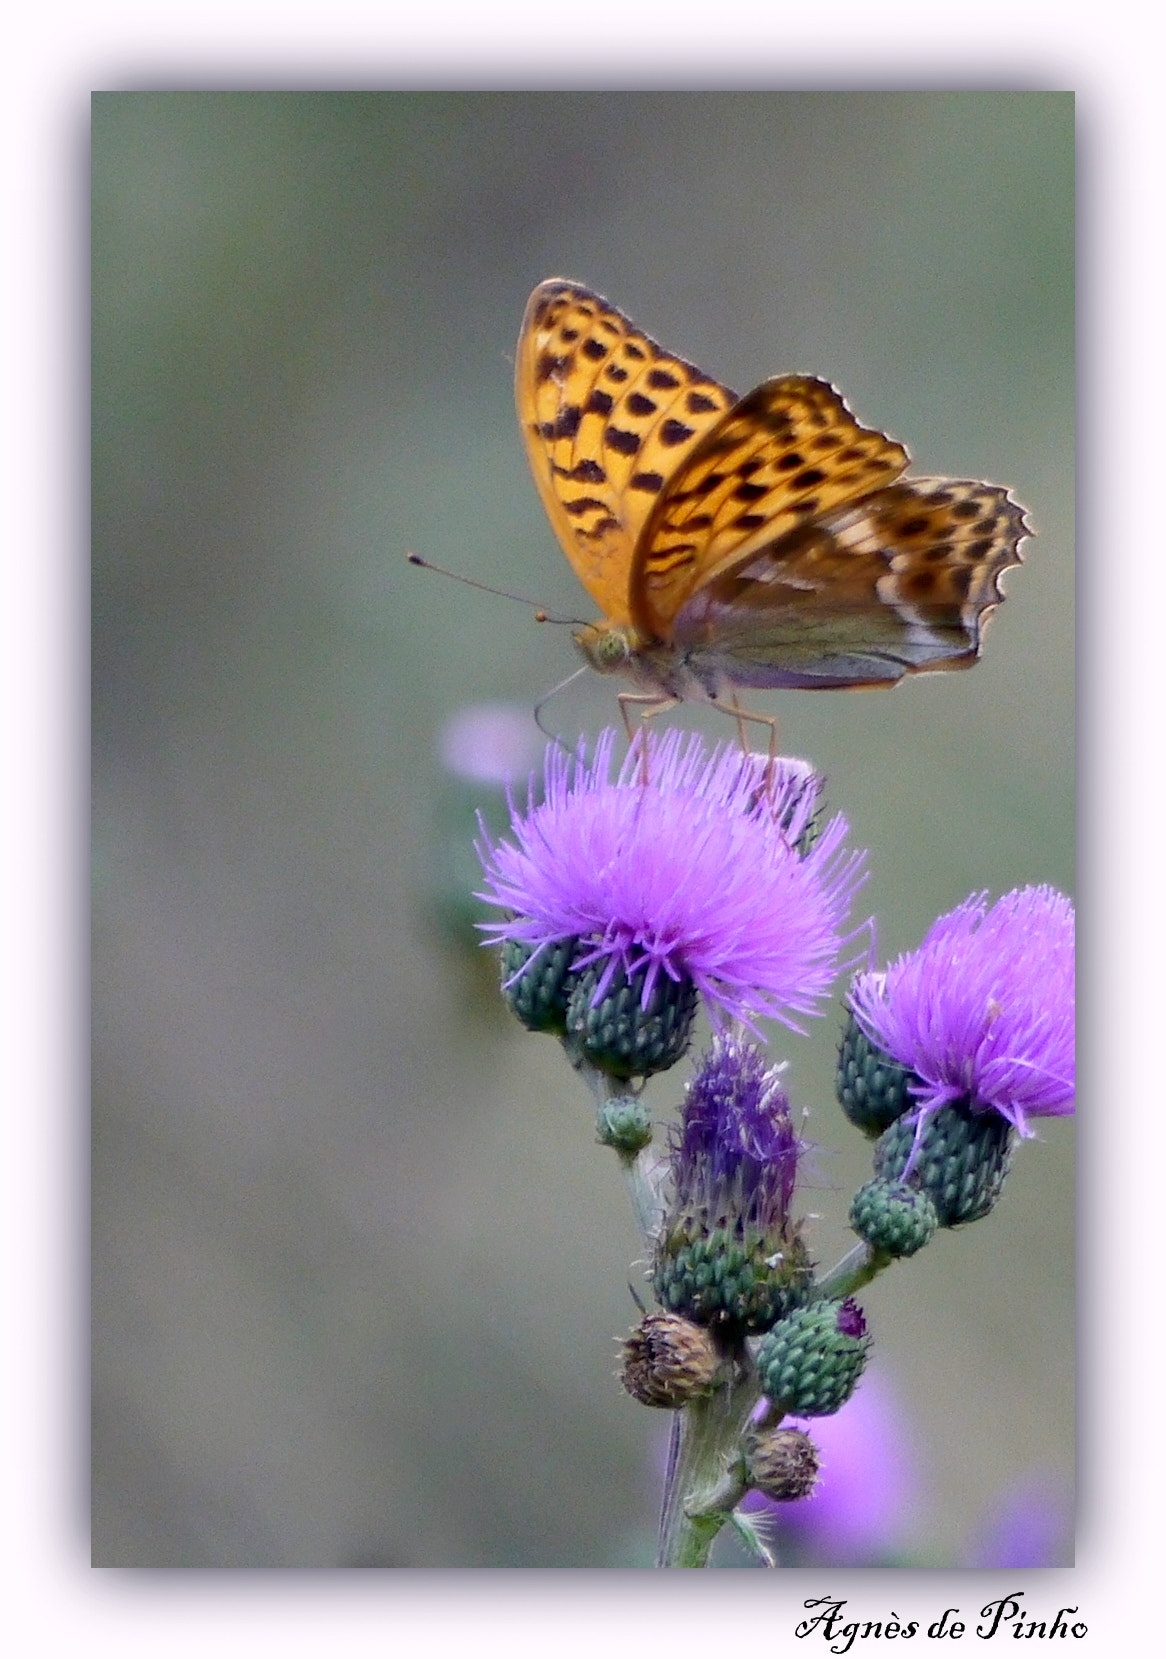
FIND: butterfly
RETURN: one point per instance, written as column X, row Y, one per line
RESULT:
column 763, row 541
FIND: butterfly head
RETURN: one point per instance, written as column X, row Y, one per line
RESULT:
column 609, row 647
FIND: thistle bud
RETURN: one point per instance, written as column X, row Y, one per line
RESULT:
column 959, row 1158
column 895, row 1220
column 872, row 1088
column 624, row 1031
column 811, row 1361
column 625, row 1124
column 537, row 983
column 781, row 1463
column 668, row 1361
column 729, row 1254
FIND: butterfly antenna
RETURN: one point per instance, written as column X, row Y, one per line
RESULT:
column 540, row 615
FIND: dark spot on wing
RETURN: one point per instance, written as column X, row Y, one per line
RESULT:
column 981, row 549
column 699, row 404
column 789, row 461
column 583, row 504
column 807, row 479
column 651, row 481
column 913, row 526
column 548, row 366
column 614, row 372
column 594, row 349
column 567, row 422
column 662, row 380
column 749, row 521
column 634, row 352
column 668, row 558
column 966, row 509
column 675, row 432
column 919, row 584
column 588, row 472
column 627, row 443
column 638, row 404
column 750, row 492
column 600, row 403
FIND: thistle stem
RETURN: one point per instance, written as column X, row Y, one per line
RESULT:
column 640, row 1174
column 703, row 1482
column 857, row 1268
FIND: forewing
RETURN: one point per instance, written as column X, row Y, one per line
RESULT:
column 900, row 582
column 784, row 455
column 606, row 415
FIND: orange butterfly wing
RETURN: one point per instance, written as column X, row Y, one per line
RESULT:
column 901, row 581
column 607, row 416
column 785, row 455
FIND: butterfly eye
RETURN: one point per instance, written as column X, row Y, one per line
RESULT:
column 607, row 649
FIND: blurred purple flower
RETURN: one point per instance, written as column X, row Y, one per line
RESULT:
column 983, row 1011
column 695, row 873
column 867, row 1492
column 1030, row 1525
column 492, row 743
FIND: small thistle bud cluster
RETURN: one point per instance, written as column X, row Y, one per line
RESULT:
column 810, row 1363
column 668, row 1361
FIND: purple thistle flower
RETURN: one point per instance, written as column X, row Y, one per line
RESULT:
column 728, row 1253
column 735, row 1149
column 983, row 1011
column 695, row 873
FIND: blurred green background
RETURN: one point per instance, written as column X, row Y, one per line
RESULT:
column 357, row 1261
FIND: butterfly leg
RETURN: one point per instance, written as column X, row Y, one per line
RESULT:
column 650, row 705
column 742, row 716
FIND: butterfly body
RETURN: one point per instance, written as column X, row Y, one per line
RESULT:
column 768, row 541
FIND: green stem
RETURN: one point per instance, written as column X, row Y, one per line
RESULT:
column 702, row 1487
column 857, row 1268
column 640, row 1174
